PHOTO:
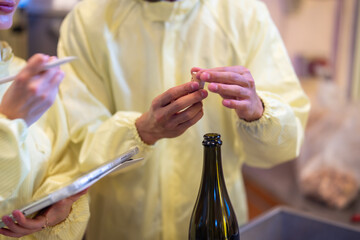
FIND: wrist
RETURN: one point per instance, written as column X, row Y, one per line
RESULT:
column 257, row 114
column 145, row 135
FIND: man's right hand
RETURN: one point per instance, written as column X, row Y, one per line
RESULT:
column 33, row 91
column 172, row 113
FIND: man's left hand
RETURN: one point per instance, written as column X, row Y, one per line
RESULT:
column 237, row 88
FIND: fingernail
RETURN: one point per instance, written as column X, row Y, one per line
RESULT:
column 226, row 102
column 7, row 220
column 214, row 86
column 194, row 86
column 203, row 93
column 205, row 76
column 16, row 214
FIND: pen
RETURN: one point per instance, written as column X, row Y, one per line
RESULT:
column 47, row 66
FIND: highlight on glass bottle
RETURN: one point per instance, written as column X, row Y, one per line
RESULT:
column 213, row 216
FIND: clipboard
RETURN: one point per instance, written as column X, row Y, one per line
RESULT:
column 81, row 183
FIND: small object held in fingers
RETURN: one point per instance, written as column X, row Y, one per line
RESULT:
column 194, row 79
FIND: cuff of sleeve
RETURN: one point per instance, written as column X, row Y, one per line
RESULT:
column 138, row 139
column 277, row 124
column 129, row 119
column 74, row 226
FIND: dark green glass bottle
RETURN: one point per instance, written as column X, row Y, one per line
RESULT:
column 213, row 216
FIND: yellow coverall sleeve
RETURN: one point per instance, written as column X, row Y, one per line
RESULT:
column 63, row 169
column 14, row 163
column 35, row 161
column 102, row 133
column 15, row 160
column 73, row 227
column 277, row 136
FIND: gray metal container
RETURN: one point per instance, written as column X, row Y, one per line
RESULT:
column 283, row 223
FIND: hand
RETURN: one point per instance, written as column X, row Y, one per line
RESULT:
column 33, row 91
column 53, row 215
column 237, row 88
column 172, row 113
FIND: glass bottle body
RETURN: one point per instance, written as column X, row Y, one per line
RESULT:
column 213, row 216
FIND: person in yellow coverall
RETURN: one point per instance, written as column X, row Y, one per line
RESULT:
column 131, row 86
column 34, row 158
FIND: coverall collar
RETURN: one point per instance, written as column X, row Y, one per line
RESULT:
column 165, row 11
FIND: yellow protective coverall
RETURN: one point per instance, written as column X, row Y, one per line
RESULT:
column 35, row 161
column 131, row 51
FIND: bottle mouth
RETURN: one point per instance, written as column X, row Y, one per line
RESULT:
column 212, row 139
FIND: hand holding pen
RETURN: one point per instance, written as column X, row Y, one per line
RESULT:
column 34, row 89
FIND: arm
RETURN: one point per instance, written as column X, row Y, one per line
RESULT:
column 93, row 120
column 66, row 219
column 27, row 98
column 14, row 162
column 270, row 118
column 97, row 132
column 25, row 101
column 280, row 131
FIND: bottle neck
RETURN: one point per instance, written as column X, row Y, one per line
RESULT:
column 212, row 169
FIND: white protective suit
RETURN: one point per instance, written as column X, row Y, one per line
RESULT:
column 131, row 51
column 35, row 161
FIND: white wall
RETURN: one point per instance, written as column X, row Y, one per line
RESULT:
column 309, row 29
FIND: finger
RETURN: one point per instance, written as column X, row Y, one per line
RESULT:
column 13, row 227
column 244, row 109
column 53, row 87
column 186, row 101
column 229, row 91
column 34, row 70
column 184, row 126
column 225, row 78
column 236, row 69
column 39, row 83
column 174, row 93
column 30, row 224
column 235, row 104
column 49, row 75
column 196, row 69
column 35, row 64
column 75, row 197
column 57, row 79
column 54, row 70
column 43, row 85
column 52, row 58
column 188, row 114
column 8, row 233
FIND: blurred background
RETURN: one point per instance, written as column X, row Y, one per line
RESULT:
column 323, row 41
